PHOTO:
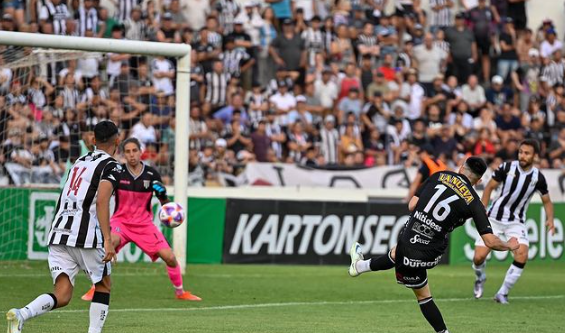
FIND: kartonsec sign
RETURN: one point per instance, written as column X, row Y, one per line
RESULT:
column 267, row 231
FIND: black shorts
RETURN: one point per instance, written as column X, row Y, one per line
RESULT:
column 483, row 45
column 411, row 270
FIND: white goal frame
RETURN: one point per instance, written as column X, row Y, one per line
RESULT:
column 179, row 51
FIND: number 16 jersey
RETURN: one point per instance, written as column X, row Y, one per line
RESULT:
column 76, row 221
column 446, row 200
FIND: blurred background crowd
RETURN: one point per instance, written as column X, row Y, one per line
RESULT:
column 326, row 84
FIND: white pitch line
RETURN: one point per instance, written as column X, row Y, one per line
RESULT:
column 321, row 303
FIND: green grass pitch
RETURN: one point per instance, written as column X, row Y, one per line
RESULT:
column 266, row 298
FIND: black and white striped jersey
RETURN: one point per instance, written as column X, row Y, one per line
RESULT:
column 517, row 188
column 124, row 9
column 442, row 17
column 216, row 88
column 87, row 20
column 76, row 222
column 57, row 15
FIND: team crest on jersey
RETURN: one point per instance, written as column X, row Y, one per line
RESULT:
column 146, row 183
column 118, row 168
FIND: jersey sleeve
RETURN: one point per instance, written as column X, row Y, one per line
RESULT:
column 157, row 184
column 112, row 173
column 424, row 184
column 500, row 174
column 541, row 185
column 480, row 217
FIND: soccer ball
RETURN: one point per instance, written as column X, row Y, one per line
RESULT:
column 171, row 215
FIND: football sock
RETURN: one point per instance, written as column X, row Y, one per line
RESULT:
column 512, row 276
column 176, row 278
column 480, row 271
column 98, row 311
column 432, row 314
column 382, row 263
column 42, row 304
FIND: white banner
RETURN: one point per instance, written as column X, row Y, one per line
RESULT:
column 268, row 174
column 388, row 177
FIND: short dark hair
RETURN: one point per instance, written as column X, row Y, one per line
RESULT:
column 532, row 143
column 104, row 131
column 131, row 140
column 477, row 165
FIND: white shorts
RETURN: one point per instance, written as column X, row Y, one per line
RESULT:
column 68, row 260
column 506, row 231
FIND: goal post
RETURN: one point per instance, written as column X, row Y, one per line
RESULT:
column 182, row 97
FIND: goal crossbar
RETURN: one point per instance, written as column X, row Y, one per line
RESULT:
column 182, row 97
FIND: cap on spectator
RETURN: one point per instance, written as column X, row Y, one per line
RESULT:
column 497, row 79
column 418, row 26
column 547, row 21
column 329, row 119
column 354, row 89
column 282, row 83
column 428, row 148
column 239, row 20
column 327, row 70
column 43, row 137
column 384, row 32
column 316, row 18
column 460, row 15
column 167, row 16
column 533, row 52
column 221, row 143
column 551, row 31
column 300, row 99
column 249, row 4
column 287, row 21
column 378, row 93
column 7, row 17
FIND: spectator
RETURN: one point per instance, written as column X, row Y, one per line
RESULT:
column 517, row 12
column 351, row 104
column 550, row 44
column 498, row 94
column 237, row 140
column 526, row 78
column 508, row 59
column 282, row 102
column 144, row 130
column 287, row 49
column 268, row 34
column 301, row 114
column 508, row 124
column 441, row 14
column 261, row 142
column 463, row 48
column 350, row 142
column 226, row 114
column 429, row 60
column 329, row 140
column 417, row 95
column 554, row 70
column 474, row 95
column 482, row 18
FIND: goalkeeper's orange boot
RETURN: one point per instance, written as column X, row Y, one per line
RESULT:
column 188, row 296
column 89, row 294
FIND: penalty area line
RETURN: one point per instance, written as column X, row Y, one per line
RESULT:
column 286, row 304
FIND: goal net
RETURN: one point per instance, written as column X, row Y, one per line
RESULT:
column 50, row 100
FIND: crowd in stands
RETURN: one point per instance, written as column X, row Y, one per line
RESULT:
column 326, row 84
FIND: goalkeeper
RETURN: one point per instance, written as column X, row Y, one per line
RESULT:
column 133, row 220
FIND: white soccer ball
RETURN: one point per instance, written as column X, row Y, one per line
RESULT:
column 171, row 215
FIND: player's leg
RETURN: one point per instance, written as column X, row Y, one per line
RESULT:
column 479, row 266
column 359, row 265
column 429, row 309
column 151, row 241
column 175, row 275
column 119, row 241
column 515, row 270
column 99, row 273
column 63, row 271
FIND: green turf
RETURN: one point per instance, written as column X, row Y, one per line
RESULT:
column 323, row 299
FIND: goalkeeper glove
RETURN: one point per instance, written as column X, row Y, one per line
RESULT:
column 160, row 190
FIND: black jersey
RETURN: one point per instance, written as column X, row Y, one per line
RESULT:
column 446, row 200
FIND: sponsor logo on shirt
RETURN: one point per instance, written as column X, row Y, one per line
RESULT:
column 127, row 182
column 417, row 239
column 417, row 263
column 429, row 222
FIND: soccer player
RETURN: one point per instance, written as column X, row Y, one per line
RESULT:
column 80, row 234
column 133, row 219
column 440, row 205
column 507, row 214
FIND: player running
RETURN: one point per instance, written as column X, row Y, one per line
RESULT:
column 133, row 219
column 440, row 205
column 77, row 240
column 507, row 214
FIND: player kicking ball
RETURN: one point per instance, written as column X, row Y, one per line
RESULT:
column 80, row 234
column 133, row 219
column 444, row 202
column 507, row 214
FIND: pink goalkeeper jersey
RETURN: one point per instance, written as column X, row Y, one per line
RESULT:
column 133, row 197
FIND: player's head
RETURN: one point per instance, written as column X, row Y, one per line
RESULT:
column 474, row 168
column 132, row 151
column 106, row 136
column 527, row 152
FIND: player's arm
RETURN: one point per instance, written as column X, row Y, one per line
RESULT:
column 105, row 190
column 491, row 186
column 485, row 230
column 414, row 186
column 548, row 206
column 159, row 189
column 413, row 202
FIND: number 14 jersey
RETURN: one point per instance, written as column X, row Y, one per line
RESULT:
column 76, row 221
column 446, row 200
